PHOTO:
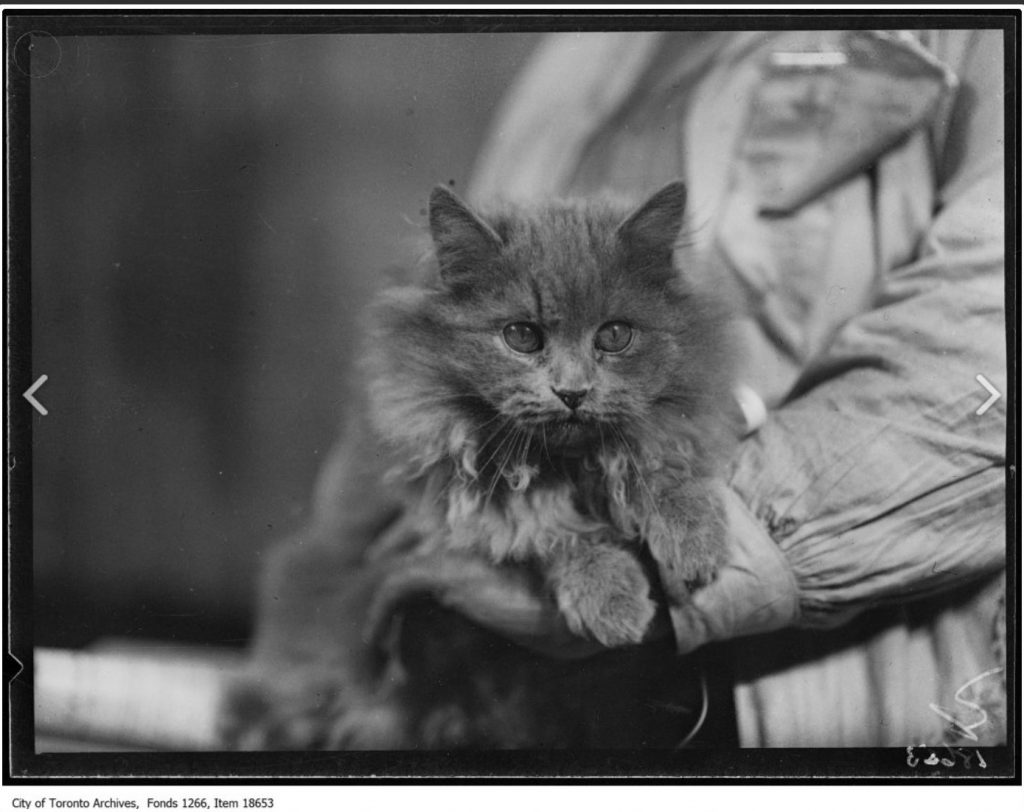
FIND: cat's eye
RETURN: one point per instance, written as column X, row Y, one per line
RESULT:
column 522, row 336
column 614, row 337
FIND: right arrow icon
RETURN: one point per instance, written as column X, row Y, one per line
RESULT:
column 993, row 392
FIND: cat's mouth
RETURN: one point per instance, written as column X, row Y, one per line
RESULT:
column 567, row 430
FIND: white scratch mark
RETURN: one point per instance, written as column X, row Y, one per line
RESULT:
column 264, row 221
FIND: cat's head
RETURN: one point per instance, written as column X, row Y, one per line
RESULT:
column 568, row 325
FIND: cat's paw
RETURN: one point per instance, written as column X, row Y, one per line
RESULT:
column 306, row 714
column 254, row 716
column 687, row 560
column 602, row 592
column 371, row 726
column 686, row 536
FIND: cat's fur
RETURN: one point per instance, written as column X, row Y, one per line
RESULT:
column 492, row 457
column 478, row 452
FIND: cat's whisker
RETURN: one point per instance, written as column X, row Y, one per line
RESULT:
column 639, row 472
column 641, row 479
column 600, row 434
column 516, row 433
column 491, row 487
column 494, row 434
column 491, row 419
column 504, row 450
column 544, row 442
column 524, row 455
column 646, row 420
column 522, row 449
column 498, row 446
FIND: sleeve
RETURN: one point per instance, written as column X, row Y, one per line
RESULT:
column 877, row 479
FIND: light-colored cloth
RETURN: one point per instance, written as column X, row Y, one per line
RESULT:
column 847, row 187
column 123, row 694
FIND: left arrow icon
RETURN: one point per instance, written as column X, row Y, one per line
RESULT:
column 31, row 390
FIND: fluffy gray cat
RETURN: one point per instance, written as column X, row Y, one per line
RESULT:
column 552, row 396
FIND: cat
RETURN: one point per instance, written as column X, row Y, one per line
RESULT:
column 557, row 397
column 552, row 395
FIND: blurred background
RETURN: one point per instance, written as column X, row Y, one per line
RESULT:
column 209, row 216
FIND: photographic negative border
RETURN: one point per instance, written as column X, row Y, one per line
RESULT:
column 24, row 766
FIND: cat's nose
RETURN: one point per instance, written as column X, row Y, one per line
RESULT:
column 571, row 397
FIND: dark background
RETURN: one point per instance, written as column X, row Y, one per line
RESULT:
column 209, row 216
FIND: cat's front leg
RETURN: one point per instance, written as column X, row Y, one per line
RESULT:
column 602, row 591
column 685, row 531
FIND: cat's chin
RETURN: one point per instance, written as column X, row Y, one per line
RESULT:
column 570, row 434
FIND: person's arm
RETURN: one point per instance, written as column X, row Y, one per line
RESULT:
column 878, row 481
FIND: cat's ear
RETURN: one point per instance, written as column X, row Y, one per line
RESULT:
column 651, row 231
column 465, row 245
